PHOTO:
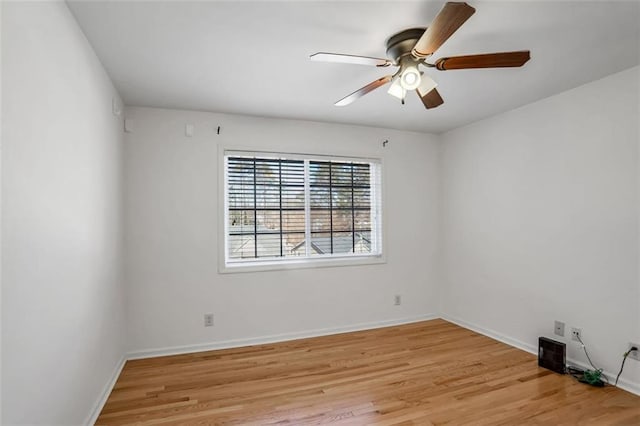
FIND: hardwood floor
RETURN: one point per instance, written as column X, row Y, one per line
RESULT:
column 425, row 373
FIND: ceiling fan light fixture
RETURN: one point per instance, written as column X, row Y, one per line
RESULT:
column 396, row 89
column 410, row 78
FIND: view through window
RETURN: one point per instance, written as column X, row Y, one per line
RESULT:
column 280, row 208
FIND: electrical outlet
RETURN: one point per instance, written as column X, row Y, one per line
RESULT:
column 558, row 328
column 634, row 354
column 576, row 334
column 208, row 320
column 397, row 300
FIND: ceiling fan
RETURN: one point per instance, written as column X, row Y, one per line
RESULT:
column 410, row 48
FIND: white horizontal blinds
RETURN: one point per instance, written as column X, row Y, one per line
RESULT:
column 301, row 207
column 341, row 213
column 266, row 208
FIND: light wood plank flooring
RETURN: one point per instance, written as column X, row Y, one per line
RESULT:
column 431, row 372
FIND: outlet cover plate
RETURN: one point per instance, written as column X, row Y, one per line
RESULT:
column 576, row 334
column 558, row 328
column 208, row 320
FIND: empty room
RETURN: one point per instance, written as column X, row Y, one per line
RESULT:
column 320, row 212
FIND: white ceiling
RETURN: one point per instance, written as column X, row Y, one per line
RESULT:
column 253, row 57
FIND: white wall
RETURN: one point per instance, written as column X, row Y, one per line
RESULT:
column 172, row 237
column 540, row 221
column 62, row 305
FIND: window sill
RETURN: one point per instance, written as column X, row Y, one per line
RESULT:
column 278, row 265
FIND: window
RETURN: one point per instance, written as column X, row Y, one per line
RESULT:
column 283, row 208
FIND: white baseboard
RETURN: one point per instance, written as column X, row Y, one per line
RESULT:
column 622, row 383
column 236, row 343
column 493, row 334
column 106, row 391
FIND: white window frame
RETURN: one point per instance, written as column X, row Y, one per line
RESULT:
column 278, row 263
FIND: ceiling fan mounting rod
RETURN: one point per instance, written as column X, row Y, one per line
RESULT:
column 400, row 45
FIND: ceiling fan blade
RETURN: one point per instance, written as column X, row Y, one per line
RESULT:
column 350, row 59
column 488, row 60
column 430, row 99
column 450, row 18
column 363, row 91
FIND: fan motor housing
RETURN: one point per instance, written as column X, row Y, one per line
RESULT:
column 400, row 44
